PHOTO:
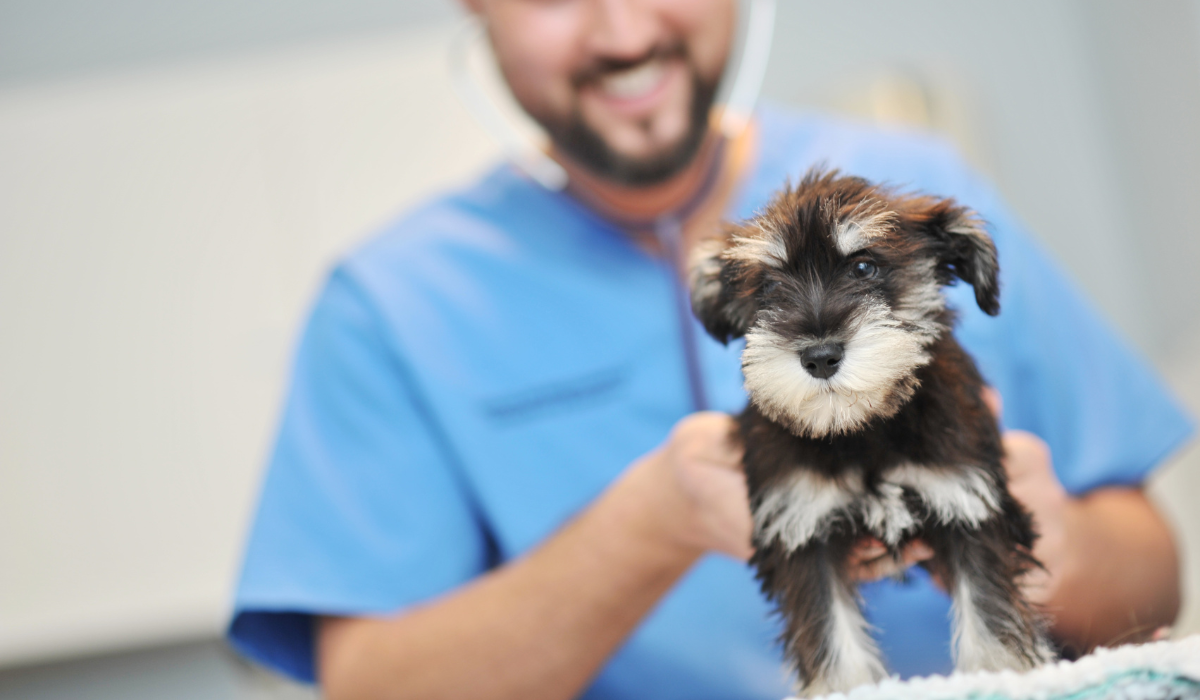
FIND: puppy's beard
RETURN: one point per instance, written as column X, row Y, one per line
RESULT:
column 875, row 377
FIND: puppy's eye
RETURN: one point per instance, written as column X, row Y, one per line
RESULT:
column 864, row 270
column 769, row 286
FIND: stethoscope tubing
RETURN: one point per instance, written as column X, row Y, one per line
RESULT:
column 532, row 159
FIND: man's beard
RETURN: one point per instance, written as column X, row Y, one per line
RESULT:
column 583, row 144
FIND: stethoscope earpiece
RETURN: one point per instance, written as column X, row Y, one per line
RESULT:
column 523, row 153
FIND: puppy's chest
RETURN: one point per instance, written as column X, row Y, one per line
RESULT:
column 805, row 490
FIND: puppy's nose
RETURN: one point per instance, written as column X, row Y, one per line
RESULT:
column 822, row 361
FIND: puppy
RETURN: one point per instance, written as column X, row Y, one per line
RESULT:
column 866, row 417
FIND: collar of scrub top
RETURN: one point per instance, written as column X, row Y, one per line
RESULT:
column 531, row 158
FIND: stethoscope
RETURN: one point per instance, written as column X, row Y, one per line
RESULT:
column 531, row 158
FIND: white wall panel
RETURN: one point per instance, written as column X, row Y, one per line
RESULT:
column 161, row 234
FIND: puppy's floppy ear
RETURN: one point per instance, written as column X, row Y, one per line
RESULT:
column 718, row 299
column 964, row 250
column 973, row 255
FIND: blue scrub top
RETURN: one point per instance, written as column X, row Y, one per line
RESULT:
column 477, row 373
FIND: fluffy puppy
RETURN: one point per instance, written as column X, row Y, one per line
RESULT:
column 866, row 418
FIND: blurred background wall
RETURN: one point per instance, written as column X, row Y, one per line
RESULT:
column 175, row 179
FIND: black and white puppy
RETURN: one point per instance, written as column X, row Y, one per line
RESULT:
column 866, row 417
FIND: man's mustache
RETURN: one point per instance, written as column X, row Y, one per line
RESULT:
column 601, row 67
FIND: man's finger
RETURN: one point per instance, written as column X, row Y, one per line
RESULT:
column 1025, row 454
column 994, row 401
column 869, row 560
column 867, row 549
column 877, row 568
column 916, row 552
column 715, row 437
column 872, row 561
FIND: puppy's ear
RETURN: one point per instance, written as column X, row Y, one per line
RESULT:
column 718, row 300
column 964, row 250
column 973, row 255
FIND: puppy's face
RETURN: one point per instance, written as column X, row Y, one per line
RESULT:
column 836, row 287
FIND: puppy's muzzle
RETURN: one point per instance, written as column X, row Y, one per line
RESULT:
column 822, row 361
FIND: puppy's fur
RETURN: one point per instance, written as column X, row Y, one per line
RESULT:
column 866, row 418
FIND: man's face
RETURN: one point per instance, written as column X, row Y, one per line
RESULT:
column 622, row 86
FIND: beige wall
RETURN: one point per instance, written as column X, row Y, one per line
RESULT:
column 161, row 233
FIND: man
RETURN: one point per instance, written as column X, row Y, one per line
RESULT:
column 491, row 478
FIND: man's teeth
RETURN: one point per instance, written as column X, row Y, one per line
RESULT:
column 634, row 82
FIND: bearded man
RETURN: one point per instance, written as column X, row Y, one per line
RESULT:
column 504, row 467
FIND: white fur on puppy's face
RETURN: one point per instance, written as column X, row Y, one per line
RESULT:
column 874, row 379
column 857, row 232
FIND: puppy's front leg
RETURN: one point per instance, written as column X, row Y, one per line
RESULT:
column 826, row 636
column 994, row 627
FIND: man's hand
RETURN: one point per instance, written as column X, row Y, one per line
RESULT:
column 871, row 561
column 1032, row 481
column 699, row 470
column 1111, row 571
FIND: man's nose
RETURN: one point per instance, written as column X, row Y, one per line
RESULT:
column 622, row 29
